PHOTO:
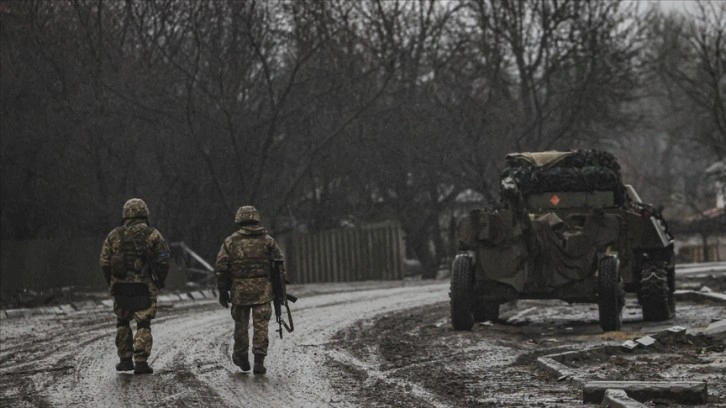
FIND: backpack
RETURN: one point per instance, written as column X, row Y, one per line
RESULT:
column 128, row 258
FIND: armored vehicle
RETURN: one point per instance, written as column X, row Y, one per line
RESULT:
column 566, row 228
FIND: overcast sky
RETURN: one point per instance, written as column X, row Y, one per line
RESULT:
column 679, row 5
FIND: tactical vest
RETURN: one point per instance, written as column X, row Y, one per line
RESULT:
column 250, row 258
column 132, row 244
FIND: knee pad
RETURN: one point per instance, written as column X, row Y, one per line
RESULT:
column 122, row 323
column 143, row 324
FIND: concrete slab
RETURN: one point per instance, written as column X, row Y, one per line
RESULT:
column 57, row 310
column 209, row 294
column 108, row 303
column 559, row 370
column 675, row 331
column 46, row 310
column 67, row 308
column 3, row 315
column 685, row 392
column 718, row 327
column 646, row 341
column 84, row 305
column 630, row 345
column 16, row 313
column 697, row 296
column 619, row 399
column 167, row 298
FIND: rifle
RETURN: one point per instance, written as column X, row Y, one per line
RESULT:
column 150, row 269
column 280, row 298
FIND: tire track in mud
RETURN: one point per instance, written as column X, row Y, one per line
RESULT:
column 296, row 365
column 374, row 376
column 414, row 358
column 191, row 355
column 172, row 384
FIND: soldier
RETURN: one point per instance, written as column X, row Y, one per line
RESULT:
column 135, row 262
column 244, row 268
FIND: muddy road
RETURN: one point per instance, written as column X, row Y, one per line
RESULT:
column 381, row 345
column 69, row 360
column 414, row 358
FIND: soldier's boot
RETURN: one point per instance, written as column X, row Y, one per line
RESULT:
column 126, row 364
column 259, row 364
column 143, row 368
column 242, row 361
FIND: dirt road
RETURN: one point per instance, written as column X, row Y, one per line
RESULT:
column 69, row 360
column 372, row 346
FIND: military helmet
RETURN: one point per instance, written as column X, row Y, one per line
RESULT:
column 247, row 215
column 135, row 208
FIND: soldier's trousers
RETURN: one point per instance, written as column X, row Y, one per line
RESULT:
column 139, row 345
column 260, row 318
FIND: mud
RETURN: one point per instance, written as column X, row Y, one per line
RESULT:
column 68, row 360
column 414, row 358
column 675, row 358
column 489, row 366
column 372, row 344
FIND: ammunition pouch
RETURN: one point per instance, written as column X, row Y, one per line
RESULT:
column 249, row 268
column 122, row 323
column 143, row 324
column 131, row 296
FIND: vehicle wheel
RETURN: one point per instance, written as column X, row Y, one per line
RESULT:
column 655, row 295
column 610, row 294
column 483, row 311
column 462, row 293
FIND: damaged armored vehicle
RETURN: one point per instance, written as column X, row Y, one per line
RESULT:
column 566, row 228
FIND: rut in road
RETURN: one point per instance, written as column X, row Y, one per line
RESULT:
column 191, row 355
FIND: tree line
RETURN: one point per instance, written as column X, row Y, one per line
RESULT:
column 335, row 113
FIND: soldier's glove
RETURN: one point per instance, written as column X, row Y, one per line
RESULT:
column 224, row 298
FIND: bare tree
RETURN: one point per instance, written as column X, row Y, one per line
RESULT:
column 692, row 57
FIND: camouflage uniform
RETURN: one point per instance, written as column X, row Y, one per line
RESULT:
column 113, row 262
column 243, row 268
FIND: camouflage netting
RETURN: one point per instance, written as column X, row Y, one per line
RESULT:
column 585, row 170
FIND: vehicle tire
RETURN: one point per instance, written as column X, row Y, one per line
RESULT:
column 655, row 295
column 610, row 295
column 462, row 293
column 483, row 311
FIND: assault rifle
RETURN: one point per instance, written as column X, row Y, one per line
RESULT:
column 280, row 298
column 150, row 269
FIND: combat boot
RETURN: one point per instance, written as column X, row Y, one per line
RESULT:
column 143, row 368
column 242, row 361
column 259, row 364
column 126, row 364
